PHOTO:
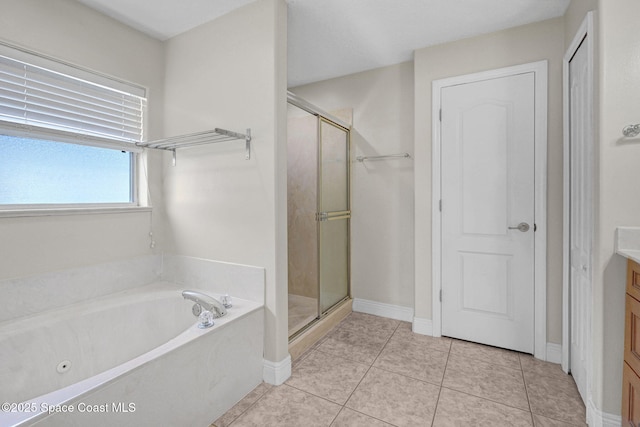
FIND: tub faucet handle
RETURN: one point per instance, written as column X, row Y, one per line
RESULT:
column 206, row 319
column 226, row 301
column 205, row 302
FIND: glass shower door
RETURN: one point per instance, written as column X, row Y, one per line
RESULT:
column 334, row 214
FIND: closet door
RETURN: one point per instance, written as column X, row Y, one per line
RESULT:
column 580, row 214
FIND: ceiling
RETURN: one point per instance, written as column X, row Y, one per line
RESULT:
column 332, row 38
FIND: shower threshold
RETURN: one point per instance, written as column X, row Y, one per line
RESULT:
column 318, row 328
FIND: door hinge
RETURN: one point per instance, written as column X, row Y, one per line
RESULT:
column 535, row 227
column 440, row 114
column 440, row 205
column 440, row 295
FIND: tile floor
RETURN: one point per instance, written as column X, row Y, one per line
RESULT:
column 371, row 371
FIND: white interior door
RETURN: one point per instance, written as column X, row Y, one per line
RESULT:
column 488, row 206
column 581, row 224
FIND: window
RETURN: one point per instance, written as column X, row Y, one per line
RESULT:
column 67, row 135
column 34, row 171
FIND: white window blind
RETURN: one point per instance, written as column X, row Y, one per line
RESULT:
column 39, row 97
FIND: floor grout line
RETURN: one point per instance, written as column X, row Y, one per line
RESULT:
column 361, row 327
column 250, row 406
column 365, row 375
column 444, row 372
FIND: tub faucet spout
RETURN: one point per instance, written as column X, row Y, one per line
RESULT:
column 206, row 302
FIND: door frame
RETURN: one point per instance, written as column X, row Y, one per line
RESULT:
column 586, row 35
column 540, row 194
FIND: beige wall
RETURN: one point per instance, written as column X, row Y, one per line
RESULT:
column 69, row 31
column 529, row 43
column 619, row 189
column 574, row 16
column 230, row 73
column 382, row 191
column 216, row 75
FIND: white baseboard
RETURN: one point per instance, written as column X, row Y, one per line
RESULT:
column 597, row 418
column 276, row 373
column 554, row 353
column 422, row 326
column 381, row 309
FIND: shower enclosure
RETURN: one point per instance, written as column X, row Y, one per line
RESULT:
column 319, row 213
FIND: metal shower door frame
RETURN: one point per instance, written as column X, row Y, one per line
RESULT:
column 322, row 216
column 325, row 117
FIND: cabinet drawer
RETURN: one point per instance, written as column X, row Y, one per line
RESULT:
column 633, row 279
column 630, row 397
column 632, row 333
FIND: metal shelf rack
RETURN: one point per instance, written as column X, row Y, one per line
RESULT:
column 201, row 138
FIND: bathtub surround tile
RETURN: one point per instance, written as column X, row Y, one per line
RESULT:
column 461, row 409
column 493, row 355
column 286, row 406
column 30, row 295
column 394, row 398
column 489, row 381
column 350, row 418
column 327, row 376
column 24, row 296
column 216, row 277
column 555, row 398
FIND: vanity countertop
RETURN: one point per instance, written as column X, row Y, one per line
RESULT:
column 628, row 242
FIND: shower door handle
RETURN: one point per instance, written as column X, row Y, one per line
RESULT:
column 330, row 216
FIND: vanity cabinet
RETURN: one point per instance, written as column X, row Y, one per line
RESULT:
column 631, row 368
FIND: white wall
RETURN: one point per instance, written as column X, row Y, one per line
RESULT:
column 382, row 191
column 69, row 31
column 231, row 73
column 529, row 43
column 618, row 185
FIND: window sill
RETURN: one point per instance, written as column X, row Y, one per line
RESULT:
column 31, row 212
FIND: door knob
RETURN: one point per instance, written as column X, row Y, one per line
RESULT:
column 523, row 226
